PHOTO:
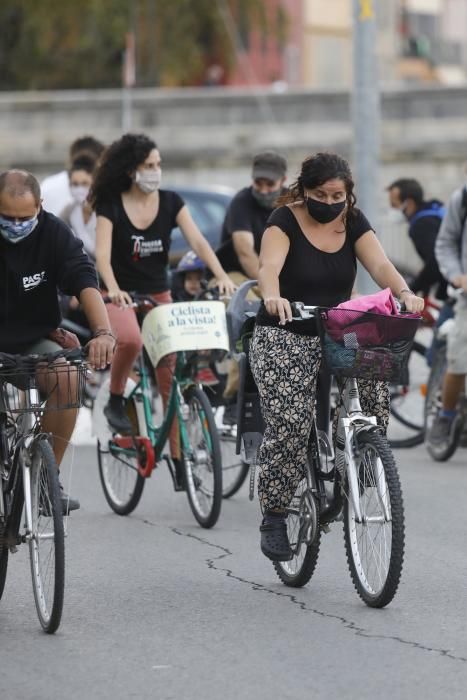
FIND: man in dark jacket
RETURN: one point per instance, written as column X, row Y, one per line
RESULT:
column 247, row 216
column 424, row 217
column 38, row 255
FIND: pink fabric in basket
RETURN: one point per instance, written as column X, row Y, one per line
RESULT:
column 367, row 331
column 381, row 302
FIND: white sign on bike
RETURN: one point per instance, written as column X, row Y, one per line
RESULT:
column 190, row 325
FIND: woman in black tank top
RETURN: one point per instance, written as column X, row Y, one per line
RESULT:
column 308, row 253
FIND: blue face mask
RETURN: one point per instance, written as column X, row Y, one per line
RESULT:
column 16, row 231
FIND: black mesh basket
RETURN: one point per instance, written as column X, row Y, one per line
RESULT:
column 16, row 384
column 367, row 345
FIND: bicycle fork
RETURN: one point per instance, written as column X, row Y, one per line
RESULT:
column 349, row 426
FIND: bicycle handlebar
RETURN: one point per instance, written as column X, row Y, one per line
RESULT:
column 28, row 362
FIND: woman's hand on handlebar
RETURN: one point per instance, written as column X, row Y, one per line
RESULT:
column 278, row 306
column 120, row 298
column 100, row 351
column 225, row 285
column 413, row 303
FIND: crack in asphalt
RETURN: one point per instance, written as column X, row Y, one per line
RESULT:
column 348, row 624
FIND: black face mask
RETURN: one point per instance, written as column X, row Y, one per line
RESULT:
column 322, row 212
column 266, row 199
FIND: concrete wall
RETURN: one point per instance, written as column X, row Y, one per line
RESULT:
column 224, row 126
column 208, row 136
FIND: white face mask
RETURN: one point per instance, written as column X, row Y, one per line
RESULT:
column 79, row 193
column 148, row 180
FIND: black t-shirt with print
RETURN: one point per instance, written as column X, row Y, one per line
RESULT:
column 311, row 275
column 140, row 257
column 31, row 270
column 244, row 214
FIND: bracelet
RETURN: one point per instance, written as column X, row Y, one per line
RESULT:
column 406, row 290
column 103, row 331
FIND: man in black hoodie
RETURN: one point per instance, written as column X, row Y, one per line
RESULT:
column 424, row 217
column 38, row 255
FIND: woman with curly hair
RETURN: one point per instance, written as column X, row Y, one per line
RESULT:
column 308, row 253
column 135, row 219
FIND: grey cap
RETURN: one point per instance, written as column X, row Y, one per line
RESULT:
column 269, row 165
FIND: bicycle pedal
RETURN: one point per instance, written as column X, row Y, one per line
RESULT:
column 325, row 528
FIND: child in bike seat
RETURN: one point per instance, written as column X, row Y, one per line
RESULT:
column 187, row 285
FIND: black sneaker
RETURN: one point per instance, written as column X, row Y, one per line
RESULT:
column 115, row 412
column 68, row 503
column 441, row 431
column 274, row 540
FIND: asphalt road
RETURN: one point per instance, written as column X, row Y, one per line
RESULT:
column 158, row 608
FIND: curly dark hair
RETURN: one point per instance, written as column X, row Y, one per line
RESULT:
column 120, row 159
column 316, row 170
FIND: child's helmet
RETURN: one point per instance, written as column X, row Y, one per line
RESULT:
column 190, row 262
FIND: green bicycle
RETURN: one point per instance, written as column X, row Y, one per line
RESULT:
column 126, row 461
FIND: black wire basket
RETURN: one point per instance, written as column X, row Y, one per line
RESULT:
column 367, row 345
column 49, row 387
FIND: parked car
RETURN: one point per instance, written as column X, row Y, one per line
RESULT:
column 207, row 206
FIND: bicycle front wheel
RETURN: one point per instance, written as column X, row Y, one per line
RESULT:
column 118, row 470
column 47, row 543
column 202, row 458
column 374, row 540
column 406, row 425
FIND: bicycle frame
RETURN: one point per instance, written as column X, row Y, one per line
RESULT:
column 153, row 438
column 11, row 513
column 351, row 422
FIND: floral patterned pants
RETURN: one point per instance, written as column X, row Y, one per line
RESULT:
column 285, row 366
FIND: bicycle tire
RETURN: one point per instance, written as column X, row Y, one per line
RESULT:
column 203, row 450
column 234, row 469
column 433, row 404
column 380, row 591
column 297, row 572
column 121, row 481
column 46, row 505
column 405, row 404
column 3, row 568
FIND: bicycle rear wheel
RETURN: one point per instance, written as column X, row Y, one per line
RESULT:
column 118, row 470
column 47, row 543
column 407, row 425
column 375, row 543
column 202, row 459
column 433, row 404
column 304, row 537
column 234, row 469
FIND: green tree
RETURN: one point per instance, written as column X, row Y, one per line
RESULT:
column 50, row 44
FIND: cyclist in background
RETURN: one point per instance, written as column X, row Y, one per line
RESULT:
column 55, row 189
column 242, row 231
column 135, row 219
column 38, row 254
column 79, row 215
column 424, row 216
column 451, row 253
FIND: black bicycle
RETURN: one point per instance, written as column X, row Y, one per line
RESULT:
column 30, row 385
